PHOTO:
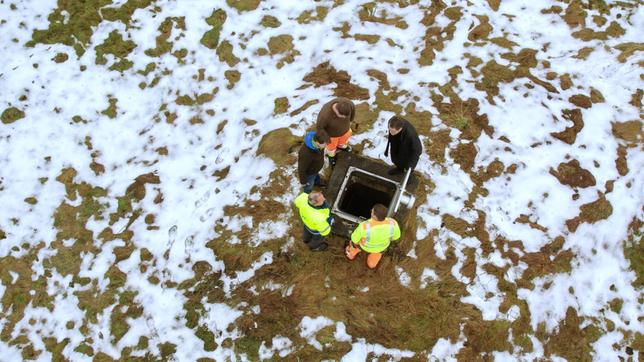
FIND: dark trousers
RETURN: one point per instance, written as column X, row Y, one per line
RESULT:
column 312, row 240
column 311, row 180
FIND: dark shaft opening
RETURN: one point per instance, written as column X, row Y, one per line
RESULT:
column 359, row 199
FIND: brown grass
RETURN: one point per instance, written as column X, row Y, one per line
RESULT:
column 462, row 115
column 569, row 135
column 570, row 341
column 277, row 144
column 573, row 175
column 325, row 73
column 372, row 304
column 326, row 284
column 592, row 212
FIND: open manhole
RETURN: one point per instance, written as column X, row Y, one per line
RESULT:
column 360, row 191
column 357, row 183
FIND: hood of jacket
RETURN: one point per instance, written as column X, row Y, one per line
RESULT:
column 308, row 141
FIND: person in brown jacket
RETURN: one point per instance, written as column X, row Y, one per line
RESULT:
column 310, row 159
column 335, row 119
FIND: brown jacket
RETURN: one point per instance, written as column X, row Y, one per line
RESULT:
column 333, row 125
column 310, row 160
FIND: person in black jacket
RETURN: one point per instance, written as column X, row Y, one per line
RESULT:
column 405, row 145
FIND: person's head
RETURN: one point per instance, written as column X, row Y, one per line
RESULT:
column 321, row 138
column 316, row 198
column 395, row 125
column 379, row 212
column 342, row 109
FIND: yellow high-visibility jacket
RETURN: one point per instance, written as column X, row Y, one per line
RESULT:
column 375, row 236
column 315, row 219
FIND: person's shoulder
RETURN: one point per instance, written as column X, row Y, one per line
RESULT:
column 325, row 110
column 410, row 127
column 304, row 153
column 330, row 103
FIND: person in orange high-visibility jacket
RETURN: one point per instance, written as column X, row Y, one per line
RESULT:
column 315, row 214
column 373, row 236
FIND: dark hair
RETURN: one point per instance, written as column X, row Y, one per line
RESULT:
column 396, row 122
column 344, row 108
column 321, row 137
column 379, row 211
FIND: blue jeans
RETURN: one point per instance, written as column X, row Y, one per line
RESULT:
column 310, row 182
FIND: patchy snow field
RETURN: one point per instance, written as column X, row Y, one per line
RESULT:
column 147, row 171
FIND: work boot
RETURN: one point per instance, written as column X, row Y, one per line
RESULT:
column 332, row 160
column 322, row 247
column 395, row 171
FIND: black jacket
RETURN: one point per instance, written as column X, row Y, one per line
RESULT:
column 405, row 147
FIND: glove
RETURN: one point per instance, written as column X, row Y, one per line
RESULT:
column 332, row 160
column 330, row 220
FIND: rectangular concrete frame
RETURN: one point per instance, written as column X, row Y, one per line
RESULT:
column 370, row 188
column 371, row 170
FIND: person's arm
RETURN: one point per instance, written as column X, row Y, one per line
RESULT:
column 388, row 143
column 396, row 231
column 416, row 150
column 298, row 200
column 357, row 234
column 322, row 121
column 325, row 228
column 302, row 165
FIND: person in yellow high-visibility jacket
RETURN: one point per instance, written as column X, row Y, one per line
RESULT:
column 316, row 216
column 373, row 236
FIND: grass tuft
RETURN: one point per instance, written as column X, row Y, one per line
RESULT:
column 276, row 145
column 73, row 22
column 115, row 45
column 211, row 38
column 11, row 115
